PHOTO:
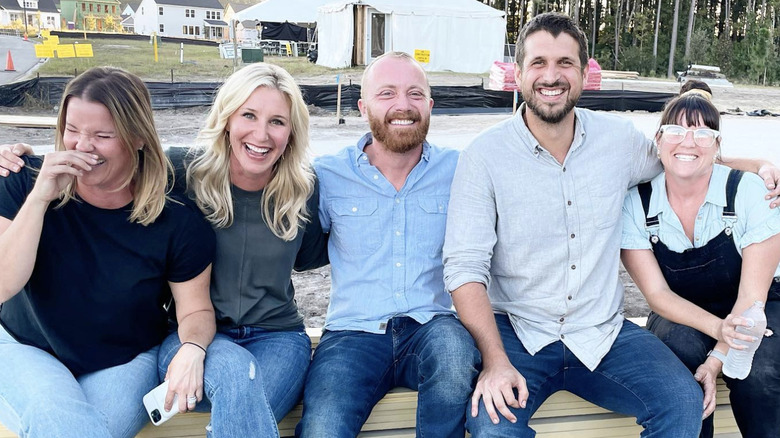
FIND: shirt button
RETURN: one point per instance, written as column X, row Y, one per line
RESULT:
column 560, row 320
column 398, row 265
column 568, row 202
column 397, row 201
column 563, row 336
column 572, row 235
column 376, row 176
column 573, row 267
column 397, row 233
column 354, row 209
column 569, row 297
column 365, row 158
column 564, row 169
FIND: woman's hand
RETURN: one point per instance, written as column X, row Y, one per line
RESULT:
column 185, row 377
column 728, row 331
column 9, row 157
column 706, row 375
column 58, row 170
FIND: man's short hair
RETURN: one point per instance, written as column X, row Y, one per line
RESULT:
column 554, row 23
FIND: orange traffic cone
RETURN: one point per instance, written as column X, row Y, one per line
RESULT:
column 9, row 62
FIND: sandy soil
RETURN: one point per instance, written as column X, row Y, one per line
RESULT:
column 179, row 127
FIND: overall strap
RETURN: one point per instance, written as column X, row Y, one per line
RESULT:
column 645, row 190
column 731, row 193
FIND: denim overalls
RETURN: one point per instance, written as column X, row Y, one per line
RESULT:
column 709, row 277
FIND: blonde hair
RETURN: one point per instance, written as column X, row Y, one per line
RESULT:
column 127, row 100
column 284, row 198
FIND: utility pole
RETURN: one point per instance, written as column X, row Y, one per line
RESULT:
column 24, row 8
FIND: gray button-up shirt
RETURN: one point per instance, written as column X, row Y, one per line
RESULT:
column 544, row 236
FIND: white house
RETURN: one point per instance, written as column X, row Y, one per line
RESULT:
column 200, row 19
column 12, row 10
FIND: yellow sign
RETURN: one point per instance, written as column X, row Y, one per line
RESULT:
column 45, row 33
column 54, row 39
column 44, row 51
column 288, row 48
column 422, row 56
column 65, row 51
column 83, row 50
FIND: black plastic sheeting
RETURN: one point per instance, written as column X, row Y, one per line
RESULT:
column 450, row 100
column 284, row 32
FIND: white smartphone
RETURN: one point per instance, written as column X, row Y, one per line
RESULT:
column 154, row 402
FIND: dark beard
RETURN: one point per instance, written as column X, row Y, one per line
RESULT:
column 547, row 117
column 399, row 142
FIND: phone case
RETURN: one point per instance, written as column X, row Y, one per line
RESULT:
column 154, row 402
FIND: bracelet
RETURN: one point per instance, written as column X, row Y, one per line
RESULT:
column 717, row 355
column 192, row 343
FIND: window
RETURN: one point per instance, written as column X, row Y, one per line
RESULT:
column 189, row 13
column 184, row 30
column 197, row 30
column 161, row 10
column 218, row 14
column 113, row 9
column 208, row 15
column 162, row 28
column 90, row 7
column 83, row 6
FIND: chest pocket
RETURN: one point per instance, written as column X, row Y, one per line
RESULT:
column 355, row 226
column 429, row 224
column 605, row 205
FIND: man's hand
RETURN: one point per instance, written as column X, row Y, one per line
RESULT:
column 771, row 176
column 496, row 386
column 705, row 375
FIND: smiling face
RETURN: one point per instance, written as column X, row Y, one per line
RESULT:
column 90, row 128
column 396, row 100
column 259, row 133
column 687, row 160
column 551, row 76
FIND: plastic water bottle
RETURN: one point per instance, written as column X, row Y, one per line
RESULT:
column 739, row 362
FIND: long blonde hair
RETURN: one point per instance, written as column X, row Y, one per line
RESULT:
column 284, row 198
column 127, row 100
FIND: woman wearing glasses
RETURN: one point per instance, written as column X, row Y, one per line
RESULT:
column 702, row 245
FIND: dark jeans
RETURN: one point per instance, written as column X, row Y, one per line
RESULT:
column 639, row 377
column 755, row 400
column 351, row 371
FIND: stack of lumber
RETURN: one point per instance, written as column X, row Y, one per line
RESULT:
column 617, row 74
column 593, row 81
column 502, row 76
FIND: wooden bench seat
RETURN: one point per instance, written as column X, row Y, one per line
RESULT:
column 563, row 415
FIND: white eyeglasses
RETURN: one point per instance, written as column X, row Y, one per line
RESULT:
column 703, row 137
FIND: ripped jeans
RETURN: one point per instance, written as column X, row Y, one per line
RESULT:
column 252, row 378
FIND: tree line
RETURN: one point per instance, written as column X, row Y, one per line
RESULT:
column 662, row 37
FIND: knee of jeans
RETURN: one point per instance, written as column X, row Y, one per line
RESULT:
column 481, row 425
column 231, row 366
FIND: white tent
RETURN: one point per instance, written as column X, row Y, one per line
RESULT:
column 279, row 11
column 457, row 35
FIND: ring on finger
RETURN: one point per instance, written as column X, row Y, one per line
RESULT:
column 191, row 400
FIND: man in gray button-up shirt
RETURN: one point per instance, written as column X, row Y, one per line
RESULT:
column 532, row 254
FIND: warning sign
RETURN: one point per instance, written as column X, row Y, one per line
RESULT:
column 65, row 51
column 83, row 50
column 44, row 51
column 422, row 56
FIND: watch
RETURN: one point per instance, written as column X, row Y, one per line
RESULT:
column 717, row 355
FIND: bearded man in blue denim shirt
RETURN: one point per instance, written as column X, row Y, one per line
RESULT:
column 390, row 321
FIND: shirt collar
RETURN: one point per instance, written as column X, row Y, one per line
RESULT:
column 367, row 139
column 716, row 194
column 530, row 142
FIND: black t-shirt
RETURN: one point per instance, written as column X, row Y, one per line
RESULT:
column 98, row 291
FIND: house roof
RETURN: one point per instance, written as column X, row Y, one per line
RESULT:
column 215, row 22
column 134, row 4
column 43, row 6
column 210, row 4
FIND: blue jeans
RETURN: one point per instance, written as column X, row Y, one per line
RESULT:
column 351, row 371
column 253, row 378
column 39, row 397
column 755, row 400
column 638, row 377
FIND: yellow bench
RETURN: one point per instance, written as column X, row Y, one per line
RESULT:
column 563, row 415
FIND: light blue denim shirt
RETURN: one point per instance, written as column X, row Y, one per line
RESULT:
column 755, row 221
column 385, row 245
column 544, row 236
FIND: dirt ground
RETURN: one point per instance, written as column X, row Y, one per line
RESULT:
column 179, row 127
